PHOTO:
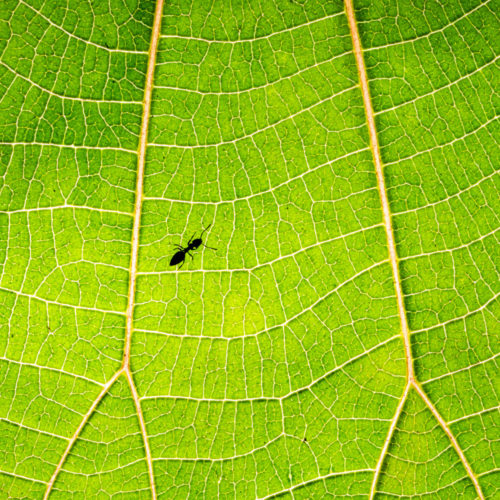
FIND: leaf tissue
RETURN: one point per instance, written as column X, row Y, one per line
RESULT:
column 339, row 338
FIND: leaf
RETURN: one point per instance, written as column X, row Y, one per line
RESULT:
column 342, row 340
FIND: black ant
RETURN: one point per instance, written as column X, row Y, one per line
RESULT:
column 180, row 255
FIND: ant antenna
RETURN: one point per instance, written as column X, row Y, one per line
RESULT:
column 205, row 230
column 211, row 248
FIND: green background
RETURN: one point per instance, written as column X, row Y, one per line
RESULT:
column 274, row 365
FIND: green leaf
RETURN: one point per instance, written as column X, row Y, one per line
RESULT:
column 342, row 339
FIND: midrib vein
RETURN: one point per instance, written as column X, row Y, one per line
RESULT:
column 125, row 367
column 370, row 118
column 143, row 140
column 410, row 375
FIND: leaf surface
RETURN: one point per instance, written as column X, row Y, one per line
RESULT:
column 342, row 338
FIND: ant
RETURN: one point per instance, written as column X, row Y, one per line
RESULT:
column 180, row 255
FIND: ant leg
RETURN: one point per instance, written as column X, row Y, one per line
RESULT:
column 192, row 257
